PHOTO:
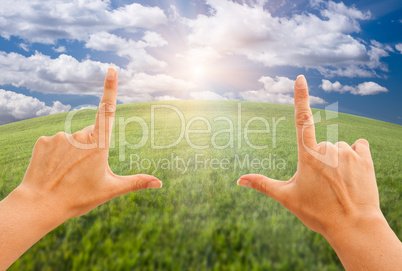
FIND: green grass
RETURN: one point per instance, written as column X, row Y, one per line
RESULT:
column 200, row 220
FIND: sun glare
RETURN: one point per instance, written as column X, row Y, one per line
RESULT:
column 199, row 72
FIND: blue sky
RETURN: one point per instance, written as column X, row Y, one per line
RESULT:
column 54, row 54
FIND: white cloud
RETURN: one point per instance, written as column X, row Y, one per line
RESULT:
column 210, row 50
column 264, row 96
column 350, row 71
column 41, row 73
column 36, row 21
column 333, row 87
column 165, row 98
column 399, row 47
column 276, row 90
column 303, row 40
column 60, row 49
column 84, row 106
column 135, row 15
column 385, row 47
column 278, row 85
column 140, row 60
column 135, row 97
column 24, row 47
column 90, row 22
column 206, row 95
column 153, row 39
column 200, row 54
column 369, row 88
column 366, row 88
column 330, row 8
column 15, row 106
column 66, row 75
column 104, row 41
column 145, row 83
column 316, row 100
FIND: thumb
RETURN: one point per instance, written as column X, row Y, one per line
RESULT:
column 126, row 184
column 270, row 187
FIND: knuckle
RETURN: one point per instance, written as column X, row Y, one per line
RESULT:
column 136, row 185
column 264, row 187
column 260, row 186
column 255, row 185
column 79, row 136
column 323, row 144
column 107, row 108
column 42, row 140
column 111, row 108
column 331, row 147
column 363, row 141
column 102, row 108
column 60, row 135
column 304, row 118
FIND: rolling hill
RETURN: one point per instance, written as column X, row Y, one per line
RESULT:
column 200, row 219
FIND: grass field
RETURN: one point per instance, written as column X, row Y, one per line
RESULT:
column 200, row 219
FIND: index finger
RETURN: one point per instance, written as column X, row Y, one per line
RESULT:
column 303, row 116
column 107, row 108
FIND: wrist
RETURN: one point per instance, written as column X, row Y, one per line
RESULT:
column 44, row 215
column 356, row 234
column 355, row 226
column 366, row 244
column 28, row 219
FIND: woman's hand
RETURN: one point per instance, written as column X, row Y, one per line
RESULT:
column 68, row 176
column 334, row 192
column 70, row 173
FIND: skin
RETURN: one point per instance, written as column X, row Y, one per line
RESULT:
column 67, row 177
column 334, row 192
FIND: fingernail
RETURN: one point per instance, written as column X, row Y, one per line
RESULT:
column 111, row 74
column 243, row 182
column 301, row 82
column 154, row 184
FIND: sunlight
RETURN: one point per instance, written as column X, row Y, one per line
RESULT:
column 198, row 72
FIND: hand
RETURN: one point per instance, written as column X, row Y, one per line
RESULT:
column 73, row 181
column 334, row 190
column 320, row 195
column 67, row 177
